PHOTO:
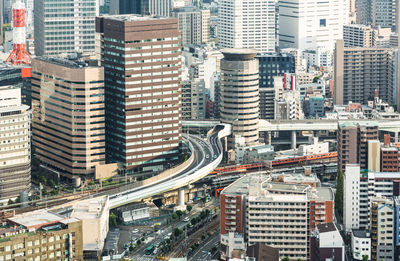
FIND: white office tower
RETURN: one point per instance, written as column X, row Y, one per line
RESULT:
column 311, row 24
column 247, row 24
column 351, row 197
column 65, row 26
column 15, row 154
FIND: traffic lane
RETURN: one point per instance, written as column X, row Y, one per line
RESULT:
column 200, row 254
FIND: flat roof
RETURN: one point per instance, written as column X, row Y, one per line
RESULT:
column 326, row 227
column 70, row 62
column 255, row 184
column 36, row 218
column 133, row 17
column 361, row 233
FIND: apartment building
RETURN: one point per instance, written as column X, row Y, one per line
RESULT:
column 193, row 24
column 358, row 72
column 193, row 100
column 353, row 138
column 382, row 229
column 239, row 94
column 142, row 70
column 64, row 26
column 68, row 114
column 41, row 235
column 249, row 25
column 256, row 207
column 358, row 35
column 15, row 144
column 389, row 159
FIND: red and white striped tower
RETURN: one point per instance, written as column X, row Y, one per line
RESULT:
column 19, row 54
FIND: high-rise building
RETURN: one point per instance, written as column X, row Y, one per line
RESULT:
column 357, row 35
column 382, row 229
column 311, row 24
column 193, row 24
column 142, row 68
column 142, row 7
column 239, row 94
column 65, row 26
column 351, row 197
column 249, row 24
column 276, row 214
column 272, row 65
column 15, row 149
column 193, row 100
column 68, row 114
column 353, row 138
column 358, row 72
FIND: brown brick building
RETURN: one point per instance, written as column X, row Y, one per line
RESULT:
column 142, row 66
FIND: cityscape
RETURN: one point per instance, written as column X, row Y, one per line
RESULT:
column 200, row 130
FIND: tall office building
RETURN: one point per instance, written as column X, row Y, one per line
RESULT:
column 142, row 68
column 249, row 24
column 15, row 149
column 68, row 114
column 143, row 7
column 193, row 24
column 311, row 24
column 271, row 65
column 65, row 26
column 276, row 214
column 353, row 138
column 357, row 35
column 358, row 72
column 239, row 93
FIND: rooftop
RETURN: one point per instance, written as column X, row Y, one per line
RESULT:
column 326, row 227
column 261, row 185
column 238, row 54
column 361, row 233
column 36, row 219
column 132, row 17
column 72, row 61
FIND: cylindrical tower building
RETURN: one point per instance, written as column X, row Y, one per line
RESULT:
column 239, row 94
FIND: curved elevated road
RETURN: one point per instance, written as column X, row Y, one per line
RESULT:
column 208, row 157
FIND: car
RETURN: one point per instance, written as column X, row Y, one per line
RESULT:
column 186, row 219
column 215, row 156
column 135, row 231
column 207, row 156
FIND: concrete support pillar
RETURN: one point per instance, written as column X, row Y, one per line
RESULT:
column 181, row 197
column 294, row 140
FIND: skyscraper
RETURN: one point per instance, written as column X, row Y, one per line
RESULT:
column 143, row 7
column 68, row 114
column 311, row 24
column 358, row 72
column 249, row 24
column 15, row 149
column 142, row 68
column 64, row 26
column 378, row 13
column 239, row 93
column 357, row 35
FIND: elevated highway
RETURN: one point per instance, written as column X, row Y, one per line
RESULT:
column 208, row 156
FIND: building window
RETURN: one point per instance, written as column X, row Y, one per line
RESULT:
column 322, row 22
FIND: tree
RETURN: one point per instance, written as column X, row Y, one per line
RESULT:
column 189, row 208
column 177, row 232
column 213, row 249
column 285, row 259
column 10, row 202
column 51, row 183
column 131, row 248
column 179, row 213
column 174, row 215
column 339, row 194
column 43, row 180
column 112, row 220
column 138, row 242
column 315, row 80
column 365, row 258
